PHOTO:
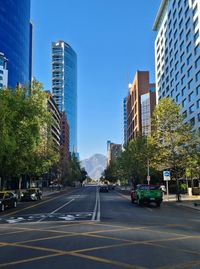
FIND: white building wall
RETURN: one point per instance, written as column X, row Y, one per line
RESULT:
column 177, row 56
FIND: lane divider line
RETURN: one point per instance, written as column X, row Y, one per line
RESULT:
column 56, row 210
column 95, row 207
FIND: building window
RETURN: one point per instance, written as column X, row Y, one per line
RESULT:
column 187, row 23
column 198, row 90
column 180, row 23
column 189, row 47
column 183, row 68
column 194, row 10
column 188, row 35
column 190, row 84
column 191, row 96
column 175, row 45
column 182, row 45
column 174, row 25
column 184, row 91
column 183, row 80
column 186, row 12
column 195, row 23
column 180, row 12
column 196, row 50
column 190, row 72
column 176, row 76
column 184, row 102
column 191, row 109
column 182, row 57
column 198, row 76
column 197, row 62
column 189, row 59
column 198, row 103
column 176, row 65
column 181, row 35
column 178, row 98
column 177, row 86
column 196, row 36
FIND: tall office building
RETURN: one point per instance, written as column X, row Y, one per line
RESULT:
column 177, row 56
column 141, row 101
column 125, row 121
column 64, row 86
column 3, row 71
column 16, row 40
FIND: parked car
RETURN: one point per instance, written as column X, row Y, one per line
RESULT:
column 7, row 199
column 133, row 196
column 103, row 188
column 146, row 194
column 32, row 194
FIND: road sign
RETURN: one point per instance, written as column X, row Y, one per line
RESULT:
column 166, row 175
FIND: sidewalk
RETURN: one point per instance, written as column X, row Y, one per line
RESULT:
column 48, row 191
column 192, row 202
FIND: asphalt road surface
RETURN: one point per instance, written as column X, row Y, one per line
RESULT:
column 87, row 229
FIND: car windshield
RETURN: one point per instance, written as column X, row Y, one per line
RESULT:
column 1, row 195
column 146, row 187
column 31, row 191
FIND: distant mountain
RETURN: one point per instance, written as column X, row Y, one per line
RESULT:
column 95, row 165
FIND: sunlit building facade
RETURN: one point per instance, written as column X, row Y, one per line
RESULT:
column 64, row 86
column 141, row 101
column 177, row 56
column 16, row 40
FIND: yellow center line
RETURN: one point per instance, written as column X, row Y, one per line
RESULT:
column 29, row 260
column 103, row 260
column 181, row 265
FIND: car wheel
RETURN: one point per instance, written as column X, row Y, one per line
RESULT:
column 158, row 204
column 2, row 207
column 15, row 204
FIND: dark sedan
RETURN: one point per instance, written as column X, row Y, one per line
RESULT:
column 103, row 188
column 32, row 194
column 7, row 199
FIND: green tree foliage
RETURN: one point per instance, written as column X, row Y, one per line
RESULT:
column 73, row 171
column 171, row 138
column 26, row 145
column 131, row 165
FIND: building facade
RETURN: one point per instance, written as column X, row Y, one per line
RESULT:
column 125, row 121
column 177, row 56
column 56, row 120
column 141, row 101
column 113, row 151
column 64, row 138
column 64, row 85
column 16, row 40
column 3, row 71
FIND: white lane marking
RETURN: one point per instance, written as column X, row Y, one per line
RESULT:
column 95, row 208
column 62, row 206
column 56, row 210
column 99, row 208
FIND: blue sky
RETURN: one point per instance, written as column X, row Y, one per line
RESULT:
column 113, row 39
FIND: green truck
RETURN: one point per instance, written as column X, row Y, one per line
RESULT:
column 146, row 194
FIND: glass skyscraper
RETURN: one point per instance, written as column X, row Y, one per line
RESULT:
column 16, row 40
column 64, row 86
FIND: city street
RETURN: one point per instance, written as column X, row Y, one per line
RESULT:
column 87, row 229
